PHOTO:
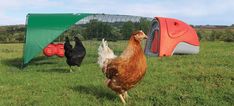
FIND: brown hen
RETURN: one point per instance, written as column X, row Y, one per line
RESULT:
column 125, row 71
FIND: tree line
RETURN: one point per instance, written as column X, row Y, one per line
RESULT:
column 96, row 30
column 12, row 33
column 226, row 35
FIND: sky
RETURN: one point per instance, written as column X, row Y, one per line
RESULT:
column 196, row 12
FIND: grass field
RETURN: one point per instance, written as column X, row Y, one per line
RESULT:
column 203, row 79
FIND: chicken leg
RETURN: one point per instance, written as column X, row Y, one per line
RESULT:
column 107, row 81
column 122, row 99
column 71, row 70
column 125, row 95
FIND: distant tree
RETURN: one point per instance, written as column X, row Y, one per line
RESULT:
column 116, row 33
column 99, row 30
column 92, row 29
column 127, row 29
column 10, row 31
column 3, row 36
column 199, row 34
column 228, row 36
column 18, row 37
column 144, row 25
column 215, row 35
column 104, row 31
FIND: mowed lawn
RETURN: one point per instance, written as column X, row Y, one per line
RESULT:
column 203, row 79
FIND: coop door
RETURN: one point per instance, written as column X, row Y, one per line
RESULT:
column 152, row 44
column 156, row 38
column 155, row 42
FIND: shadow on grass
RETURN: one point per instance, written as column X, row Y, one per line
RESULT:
column 98, row 91
column 18, row 62
column 49, row 64
column 57, row 70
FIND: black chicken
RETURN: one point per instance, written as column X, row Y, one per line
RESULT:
column 74, row 55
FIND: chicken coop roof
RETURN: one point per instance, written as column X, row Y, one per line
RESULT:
column 42, row 29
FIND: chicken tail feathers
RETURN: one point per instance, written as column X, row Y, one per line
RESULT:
column 104, row 53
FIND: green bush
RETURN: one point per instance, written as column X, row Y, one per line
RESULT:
column 227, row 36
column 199, row 34
column 215, row 35
column 204, row 35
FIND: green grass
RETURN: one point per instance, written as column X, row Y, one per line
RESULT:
column 203, row 79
